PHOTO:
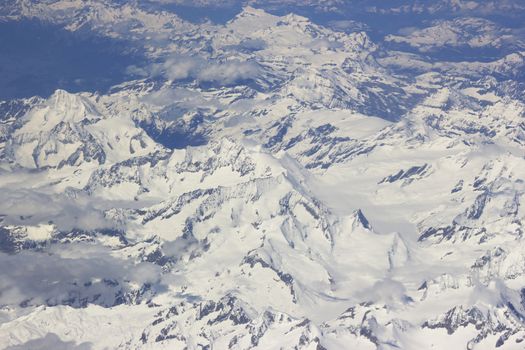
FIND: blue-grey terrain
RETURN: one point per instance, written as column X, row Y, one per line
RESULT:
column 262, row 174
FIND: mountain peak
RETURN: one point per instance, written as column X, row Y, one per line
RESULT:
column 62, row 106
column 360, row 220
column 251, row 19
column 250, row 11
column 295, row 18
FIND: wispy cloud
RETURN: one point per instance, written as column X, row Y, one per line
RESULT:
column 51, row 341
column 30, row 207
column 177, row 68
column 81, row 273
column 228, row 72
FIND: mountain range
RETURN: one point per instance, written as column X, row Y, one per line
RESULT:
column 272, row 181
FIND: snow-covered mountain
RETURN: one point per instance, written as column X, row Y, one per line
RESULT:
column 268, row 183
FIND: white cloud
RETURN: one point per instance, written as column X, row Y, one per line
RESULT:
column 180, row 68
column 70, row 276
column 347, row 25
column 51, row 341
column 387, row 291
column 228, row 72
column 196, row 68
column 29, row 207
column 174, row 68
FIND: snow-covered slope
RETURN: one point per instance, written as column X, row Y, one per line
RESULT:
column 265, row 183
